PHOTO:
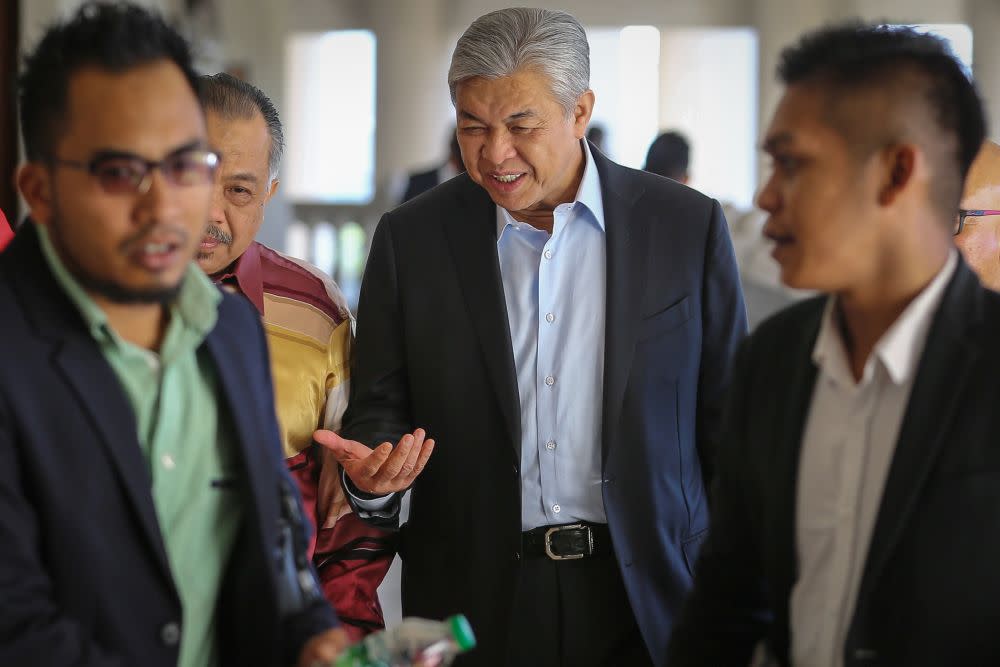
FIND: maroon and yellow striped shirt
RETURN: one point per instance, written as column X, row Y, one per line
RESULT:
column 309, row 335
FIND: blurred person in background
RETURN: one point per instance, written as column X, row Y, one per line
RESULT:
column 146, row 515
column 597, row 136
column 856, row 496
column 977, row 232
column 563, row 327
column 422, row 181
column 669, row 155
column 6, row 231
column 308, row 328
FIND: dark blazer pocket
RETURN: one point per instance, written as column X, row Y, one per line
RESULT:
column 691, row 547
column 669, row 318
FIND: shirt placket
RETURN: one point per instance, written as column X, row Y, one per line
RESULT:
column 547, row 375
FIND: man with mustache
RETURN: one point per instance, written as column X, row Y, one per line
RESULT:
column 308, row 329
column 146, row 516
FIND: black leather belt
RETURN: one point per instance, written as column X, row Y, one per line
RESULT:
column 567, row 542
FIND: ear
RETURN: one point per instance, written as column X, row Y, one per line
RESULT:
column 582, row 112
column 898, row 166
column 35, row 184
column 274, row 188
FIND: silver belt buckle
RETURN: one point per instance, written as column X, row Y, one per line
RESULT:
column 557, row 529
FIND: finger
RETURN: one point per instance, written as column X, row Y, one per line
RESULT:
column 343, row 449
column 425, row 454
column 411, row 461
column 369, row 466
column 395, row 462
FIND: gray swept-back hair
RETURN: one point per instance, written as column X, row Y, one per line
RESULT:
column 233, row 98
column 503, row 42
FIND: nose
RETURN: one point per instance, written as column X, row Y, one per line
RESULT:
column 498, row 147
column 768, row 198
column 158, row 199
column 217, row 209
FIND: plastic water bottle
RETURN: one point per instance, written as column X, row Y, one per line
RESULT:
column 415, row 641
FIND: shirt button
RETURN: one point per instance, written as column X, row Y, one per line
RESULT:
column 549, row 380
column 170, row 634
column 168, row 462
column 556, row 509
column 550, row 317
column 551, row 444
column 547, row 254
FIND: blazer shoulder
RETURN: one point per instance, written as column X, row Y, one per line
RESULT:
column 789, row 324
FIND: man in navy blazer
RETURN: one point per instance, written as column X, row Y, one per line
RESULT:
column 146, row 516
column 562, row 326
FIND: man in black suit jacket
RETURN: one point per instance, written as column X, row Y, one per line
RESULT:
column 422, row 181
column 146, row 516
column 561, row 509
column 856, row 499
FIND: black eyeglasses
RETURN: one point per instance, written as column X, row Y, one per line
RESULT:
column 960, row 220
column 127, row 174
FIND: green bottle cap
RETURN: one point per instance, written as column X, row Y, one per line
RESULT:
column 461, row 631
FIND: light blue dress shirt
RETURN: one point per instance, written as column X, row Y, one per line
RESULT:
column 554, row 287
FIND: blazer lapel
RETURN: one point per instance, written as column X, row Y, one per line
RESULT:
column 79, row 361
column 626, row 230
column 794, row 402
column 945, row 367
column 472, row 239
column 238, row 394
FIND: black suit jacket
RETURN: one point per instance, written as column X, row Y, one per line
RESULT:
column 930, row 590
column 433, row 350
column 84, row 577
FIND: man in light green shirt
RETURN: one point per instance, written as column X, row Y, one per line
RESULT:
column 145, row 512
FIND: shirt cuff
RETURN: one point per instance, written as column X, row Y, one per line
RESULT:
column 369, row 503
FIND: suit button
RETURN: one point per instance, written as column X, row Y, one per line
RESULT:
column 170, row 634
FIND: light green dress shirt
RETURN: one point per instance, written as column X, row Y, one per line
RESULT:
column 189, row 450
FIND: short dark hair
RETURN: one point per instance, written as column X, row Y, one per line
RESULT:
column 112, row 36
column 669, row 155
column 234, row 98
column 914, row 69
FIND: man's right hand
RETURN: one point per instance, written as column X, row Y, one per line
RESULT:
column 385, row 469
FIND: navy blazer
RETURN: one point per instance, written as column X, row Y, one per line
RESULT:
column 84, row 577
column 433, row 350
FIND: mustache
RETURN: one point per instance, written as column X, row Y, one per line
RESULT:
column 216, row 233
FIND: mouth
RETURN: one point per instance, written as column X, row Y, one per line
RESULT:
column 208, row 244
column 506, row 181
column 156, row 255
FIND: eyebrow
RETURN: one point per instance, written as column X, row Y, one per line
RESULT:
column 776, row 141
column 242, row 176
column 520, row 115
column 117, row 153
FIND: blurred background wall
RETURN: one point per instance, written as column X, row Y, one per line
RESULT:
column 361, row 87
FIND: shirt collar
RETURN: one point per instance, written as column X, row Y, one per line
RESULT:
column 195, row 308
column 248, row 276
column 900, row 347
column 588, row 194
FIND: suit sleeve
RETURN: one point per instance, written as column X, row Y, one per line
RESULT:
column 379, row 410
column 724, row 327
column 726, row 614
column 33, row 631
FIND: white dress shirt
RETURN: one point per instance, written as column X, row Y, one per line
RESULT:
column 554, row 287
column 847, row 447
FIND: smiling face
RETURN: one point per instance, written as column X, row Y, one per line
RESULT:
column 242, row 188
column 821, row 198
column 979, row 240
column 123, row 246
column 518, row 143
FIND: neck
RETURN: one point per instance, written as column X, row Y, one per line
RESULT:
column 540, row 216
column 868, row 311
column 140, row 324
